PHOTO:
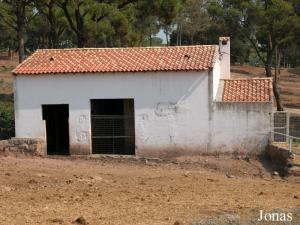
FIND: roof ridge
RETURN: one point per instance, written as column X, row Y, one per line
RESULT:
column 254, row 78
column 106, row 60
column 126, row 48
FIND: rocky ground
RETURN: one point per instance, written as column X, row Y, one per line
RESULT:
column 117, row 191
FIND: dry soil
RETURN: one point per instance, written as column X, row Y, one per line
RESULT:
column 116, row 191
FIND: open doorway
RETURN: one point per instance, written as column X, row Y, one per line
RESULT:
column 113, row 126
column 57, row 128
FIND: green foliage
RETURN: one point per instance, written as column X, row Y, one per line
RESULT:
column 7, row 122
column 6, row 115
column 256, row 27
column 264, row 24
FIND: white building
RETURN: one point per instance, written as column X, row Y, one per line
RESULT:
column 161, row 101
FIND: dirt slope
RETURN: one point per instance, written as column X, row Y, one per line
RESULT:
column 125, row 191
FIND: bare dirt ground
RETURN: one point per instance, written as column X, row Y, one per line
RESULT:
column 115, row 191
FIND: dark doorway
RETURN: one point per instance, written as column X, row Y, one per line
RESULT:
column 57, row 128
column 113, row 126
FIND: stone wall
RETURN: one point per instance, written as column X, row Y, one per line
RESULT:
column 23, row 145
column 282, row 158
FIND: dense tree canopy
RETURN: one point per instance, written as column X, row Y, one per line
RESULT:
column 83, row 23
column 263, row 32
column 267, row 25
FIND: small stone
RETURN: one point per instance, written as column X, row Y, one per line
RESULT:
column 80, row 220
column 186, row 174
column 246, row 158
column 5, row 188
column 7, row 174
column 32, row 181
column 69, row 181
column 275, row 173
column 296, row 197
column 59, row 221
column 260, row 193
column 23, row 146
column 97, row 178
column 178, row 223
column 211, row 180
column 229, row 176
column 142, row 183
column 41, row 175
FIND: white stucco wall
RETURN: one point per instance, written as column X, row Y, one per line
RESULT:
column 241, row 126
column 175, row 112
column 224, row 52
column 216, row 73
column 171, row 109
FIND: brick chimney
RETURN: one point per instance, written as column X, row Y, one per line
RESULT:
column 224, row 48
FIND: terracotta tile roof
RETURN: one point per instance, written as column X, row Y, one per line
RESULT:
column 119, row 60
column 248, row 90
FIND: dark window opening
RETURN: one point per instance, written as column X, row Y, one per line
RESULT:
column 113, row 126
column 57, row 128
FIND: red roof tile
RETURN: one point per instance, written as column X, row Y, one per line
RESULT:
column 248, row 90
column 118, row 60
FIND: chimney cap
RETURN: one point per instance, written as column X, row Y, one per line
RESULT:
column 224, row 40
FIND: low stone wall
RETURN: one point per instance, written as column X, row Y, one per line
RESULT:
column 281, row 157
column 24, row 146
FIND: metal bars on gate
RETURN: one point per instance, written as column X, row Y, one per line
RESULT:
column 112, row 134
column 281, row 133
column 281, row 128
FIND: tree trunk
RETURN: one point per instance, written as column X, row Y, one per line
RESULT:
column 9, row 53
column 150, row 36
column 21, row 44
column 80, row 41
column 80, row 28
column 52, row 33
column 180, row 36
column 268, row 68
column 279, row 64
column 167, row 36
column 279, row 106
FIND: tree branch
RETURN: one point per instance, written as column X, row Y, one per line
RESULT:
column 125, row 3
column 256, row 49
column 64, row 7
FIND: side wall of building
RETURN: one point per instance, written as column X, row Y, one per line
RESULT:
column 171, row 109
column 241, row 127
column 216, row 73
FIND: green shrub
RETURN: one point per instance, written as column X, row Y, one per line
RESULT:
column 7, row 120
